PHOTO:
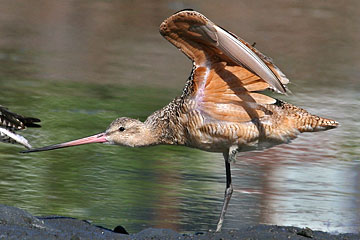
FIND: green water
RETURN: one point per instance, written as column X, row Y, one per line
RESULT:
column 78, row 65
column 109, row 185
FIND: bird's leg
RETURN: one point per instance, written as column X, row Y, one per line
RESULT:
column 233, row 151
column 228, row 191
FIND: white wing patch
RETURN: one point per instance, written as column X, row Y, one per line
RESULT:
column 16, row 137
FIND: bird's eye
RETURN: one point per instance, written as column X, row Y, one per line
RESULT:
column 121, row 129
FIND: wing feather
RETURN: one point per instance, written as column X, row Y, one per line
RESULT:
column 228, row 73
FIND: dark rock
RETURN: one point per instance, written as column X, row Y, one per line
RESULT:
column 15, row 216
column 306, row 232
column 18, row 224
column 155, row 233
column 120, row 229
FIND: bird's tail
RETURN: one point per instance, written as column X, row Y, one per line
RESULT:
column 315, row 123
column 15, row 121
column 31, row 122
column 307, row 122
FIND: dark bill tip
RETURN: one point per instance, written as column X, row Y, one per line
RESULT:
column 46, row 148
column 98, row 138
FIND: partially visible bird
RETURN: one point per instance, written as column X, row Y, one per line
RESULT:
column 221, row 108
column 11, row 122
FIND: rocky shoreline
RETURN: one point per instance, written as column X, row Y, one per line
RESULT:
column 19, row 224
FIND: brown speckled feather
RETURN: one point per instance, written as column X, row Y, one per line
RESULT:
column 222, row 86
column 221, row 107
column 221, row 103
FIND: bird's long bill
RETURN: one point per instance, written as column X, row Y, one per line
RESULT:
column 97, row 138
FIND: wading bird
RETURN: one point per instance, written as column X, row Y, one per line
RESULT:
column 11, row 122
column 221, row 108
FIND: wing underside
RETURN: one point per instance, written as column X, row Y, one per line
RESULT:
column 229, row 73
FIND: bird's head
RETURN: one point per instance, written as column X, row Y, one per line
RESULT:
column 122, row 131
column 129, row 132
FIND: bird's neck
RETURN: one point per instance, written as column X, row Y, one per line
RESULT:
column 149, row 137
column 165, row 125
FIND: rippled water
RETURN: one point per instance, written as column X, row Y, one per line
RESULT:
column 77, row 65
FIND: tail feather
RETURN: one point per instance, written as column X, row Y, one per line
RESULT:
column 15, row 121
column 31, row 122
column 313, row 123
column 305, row 121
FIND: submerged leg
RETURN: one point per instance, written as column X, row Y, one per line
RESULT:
column 228, row 191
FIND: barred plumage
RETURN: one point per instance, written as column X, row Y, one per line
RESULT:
column 11, row 122
column 221, row 107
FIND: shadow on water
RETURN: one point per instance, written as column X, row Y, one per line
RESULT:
column 78, row 65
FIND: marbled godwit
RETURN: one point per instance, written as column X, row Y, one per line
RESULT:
column 220, row 109
column 11, row 122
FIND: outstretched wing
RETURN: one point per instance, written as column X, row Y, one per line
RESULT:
column 15, row 121
column 10, row 122
column 228, row 72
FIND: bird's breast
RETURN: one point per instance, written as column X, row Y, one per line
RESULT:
column 203, row 132
column 216, row 136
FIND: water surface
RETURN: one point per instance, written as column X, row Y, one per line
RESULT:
column 78, row 65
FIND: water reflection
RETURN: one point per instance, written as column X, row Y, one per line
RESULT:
column 77, row 65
